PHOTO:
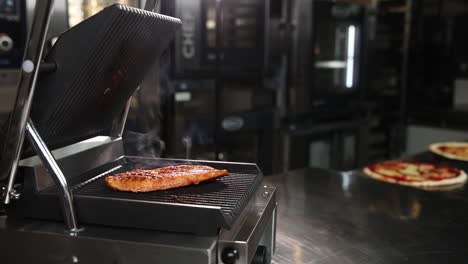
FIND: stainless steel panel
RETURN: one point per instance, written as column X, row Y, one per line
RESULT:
column 344, row 217
column 45, row 242
column 187, row 49
column 255, row 221
column 75, row 159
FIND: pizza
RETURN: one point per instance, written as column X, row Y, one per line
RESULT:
column 416, row 174
column 451, row 150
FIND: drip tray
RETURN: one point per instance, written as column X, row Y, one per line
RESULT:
column 198, row 209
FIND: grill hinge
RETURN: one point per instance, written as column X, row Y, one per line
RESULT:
column 2, row 191
column 14, row 194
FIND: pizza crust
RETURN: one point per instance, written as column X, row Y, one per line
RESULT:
column 434, row 148
column 444, row 188
column 421, row 184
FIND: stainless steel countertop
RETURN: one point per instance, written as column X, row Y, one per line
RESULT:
column 344, row 217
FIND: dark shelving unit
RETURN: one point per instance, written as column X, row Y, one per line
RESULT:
column 387, row 77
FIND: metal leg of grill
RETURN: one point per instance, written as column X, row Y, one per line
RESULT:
column 53, row 168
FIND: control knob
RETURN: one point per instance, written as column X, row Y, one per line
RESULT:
column 230, row 255
column 6, row 43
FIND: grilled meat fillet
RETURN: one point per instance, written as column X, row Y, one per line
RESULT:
column 164, row 178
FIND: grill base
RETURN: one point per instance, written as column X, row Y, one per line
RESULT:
column 47, row 242
column 199, row 209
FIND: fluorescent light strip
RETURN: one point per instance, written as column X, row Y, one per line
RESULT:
column 350, row 56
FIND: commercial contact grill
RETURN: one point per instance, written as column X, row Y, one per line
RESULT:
column 74, row 99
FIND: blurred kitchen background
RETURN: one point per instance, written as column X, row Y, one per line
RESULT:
column 285, row 83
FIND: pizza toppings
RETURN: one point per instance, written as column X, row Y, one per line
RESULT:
column 414, row 172
column 451, row 150
column 418, row 174
column 461, row 151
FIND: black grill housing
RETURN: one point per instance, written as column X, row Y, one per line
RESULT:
column 198, row 209
column 100, row 62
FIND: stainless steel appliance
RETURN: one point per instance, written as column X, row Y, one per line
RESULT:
column 325, row 108
column 12, row 33
column 79, row 110
column 227, row 31
column 324, row 56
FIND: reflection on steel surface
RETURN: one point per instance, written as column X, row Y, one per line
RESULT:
column 330, row 217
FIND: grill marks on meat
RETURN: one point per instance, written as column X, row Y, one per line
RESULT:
column 164, row 178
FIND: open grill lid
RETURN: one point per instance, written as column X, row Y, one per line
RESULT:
column 99, row 64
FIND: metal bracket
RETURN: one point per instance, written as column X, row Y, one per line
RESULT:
column 66, row 198
column 13, row 194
